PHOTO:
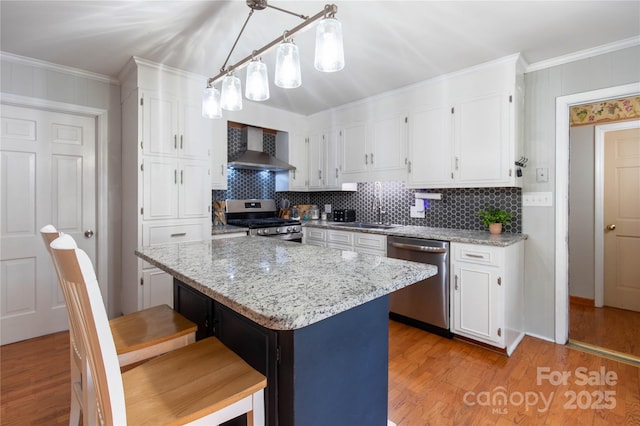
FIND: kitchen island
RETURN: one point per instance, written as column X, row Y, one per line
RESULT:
column 313, row 320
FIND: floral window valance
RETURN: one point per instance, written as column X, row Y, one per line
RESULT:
column 613, row 110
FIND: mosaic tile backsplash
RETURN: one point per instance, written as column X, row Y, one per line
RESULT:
column 456, row 210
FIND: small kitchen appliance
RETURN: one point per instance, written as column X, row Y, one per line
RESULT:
column 344, row 215
column 261, row 217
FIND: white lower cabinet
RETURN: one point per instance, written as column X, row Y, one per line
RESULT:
column 360, row 242
column 487, row 294
column 157, row 288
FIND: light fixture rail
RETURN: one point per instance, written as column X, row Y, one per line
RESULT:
column 329, row 11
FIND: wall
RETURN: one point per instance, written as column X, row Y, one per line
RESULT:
column 542, row 88
column 39, row 80
column 581, row 210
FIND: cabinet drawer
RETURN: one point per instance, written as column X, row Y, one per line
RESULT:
column 165, row 234
column 315, row 234
column 483, row 255
column 341, row 238
column 371, row 243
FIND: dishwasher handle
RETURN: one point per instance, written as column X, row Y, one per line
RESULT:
column 424, row 249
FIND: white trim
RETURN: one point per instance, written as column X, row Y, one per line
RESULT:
column 584, row 54
column 563, row 103
column 600, row 132
column 36, row 63
column 102, row 173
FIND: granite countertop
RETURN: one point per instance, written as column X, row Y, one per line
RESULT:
column 283, row 285
column 227, row 229
column 443, row 234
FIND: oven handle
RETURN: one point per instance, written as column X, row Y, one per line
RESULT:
column 419, row 248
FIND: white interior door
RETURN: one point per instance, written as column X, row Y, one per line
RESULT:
column 47, row 176
column 622, row 219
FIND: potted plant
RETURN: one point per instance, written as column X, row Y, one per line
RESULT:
column 494, row 218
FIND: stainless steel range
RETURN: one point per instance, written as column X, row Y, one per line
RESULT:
column 261, row 217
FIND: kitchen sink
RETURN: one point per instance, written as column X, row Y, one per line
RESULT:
column 364, row 225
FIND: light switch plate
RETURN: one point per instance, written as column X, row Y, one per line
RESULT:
column 542, row 174
column 537, row 199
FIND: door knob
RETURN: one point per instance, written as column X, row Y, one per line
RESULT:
column 88, row 233
column 611, row 227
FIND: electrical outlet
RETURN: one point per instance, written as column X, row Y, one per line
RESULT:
column 537, row 199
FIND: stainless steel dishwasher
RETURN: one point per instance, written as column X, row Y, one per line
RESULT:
column 424, row 304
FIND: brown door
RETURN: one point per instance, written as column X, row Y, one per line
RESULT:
column 622, row 219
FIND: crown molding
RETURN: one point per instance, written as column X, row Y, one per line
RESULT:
column 584, row 54
column 23, row 60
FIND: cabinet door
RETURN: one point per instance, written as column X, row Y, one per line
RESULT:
column 196, row 132
column 317, row 170
column 219, row 155
column 354, row 154
column 388, row 147
column 194, row 306
column 430, row 148
column 481, row 141
column 160, row 124
column 157, row 288
column 160, row 188
column 332, row 163
column 478, row 303
column 194, row 193
column 299, row 157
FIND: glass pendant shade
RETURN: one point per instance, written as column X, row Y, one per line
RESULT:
column 329, row 55
column 257, row 84
column 231, row 93
column 288, row 66
column 211, row 103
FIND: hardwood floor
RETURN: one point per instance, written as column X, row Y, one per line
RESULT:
column 610, row 328
column 432, row 380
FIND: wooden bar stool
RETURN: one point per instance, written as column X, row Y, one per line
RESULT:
column 202, row 383
column 138, row 336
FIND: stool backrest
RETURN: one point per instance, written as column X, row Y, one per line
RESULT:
column 86, row 308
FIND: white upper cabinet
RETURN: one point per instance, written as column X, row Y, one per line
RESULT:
column 219, row 155
column 354, row 150
column 323, row 161
column 175, row 127
column 471, row 135
column 430, row 147
column 375, row 149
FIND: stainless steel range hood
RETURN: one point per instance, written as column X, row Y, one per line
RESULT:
column 254, row 158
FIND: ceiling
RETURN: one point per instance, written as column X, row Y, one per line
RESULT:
column 388, row 44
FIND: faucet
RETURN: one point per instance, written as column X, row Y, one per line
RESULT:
column 377, row 203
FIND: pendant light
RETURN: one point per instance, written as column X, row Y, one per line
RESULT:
column 329, row 50
column 288, row 65
column 211, row 103
column 329, row 57
column 231, row 94
column 257, row 83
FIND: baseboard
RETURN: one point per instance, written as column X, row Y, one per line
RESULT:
column 581, row 301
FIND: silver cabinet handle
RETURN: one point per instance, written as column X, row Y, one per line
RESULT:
column 175, row 176
column 181, row 142
column 366, row 159
column 179, row 234
column 372, row 158
column 456, row 282
column 222, row 169
column 475, row 256
column 175, row 141
column 181, row 177
column 336, row 173
column 409, row 166
column 88, row 233
column 457, row 161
